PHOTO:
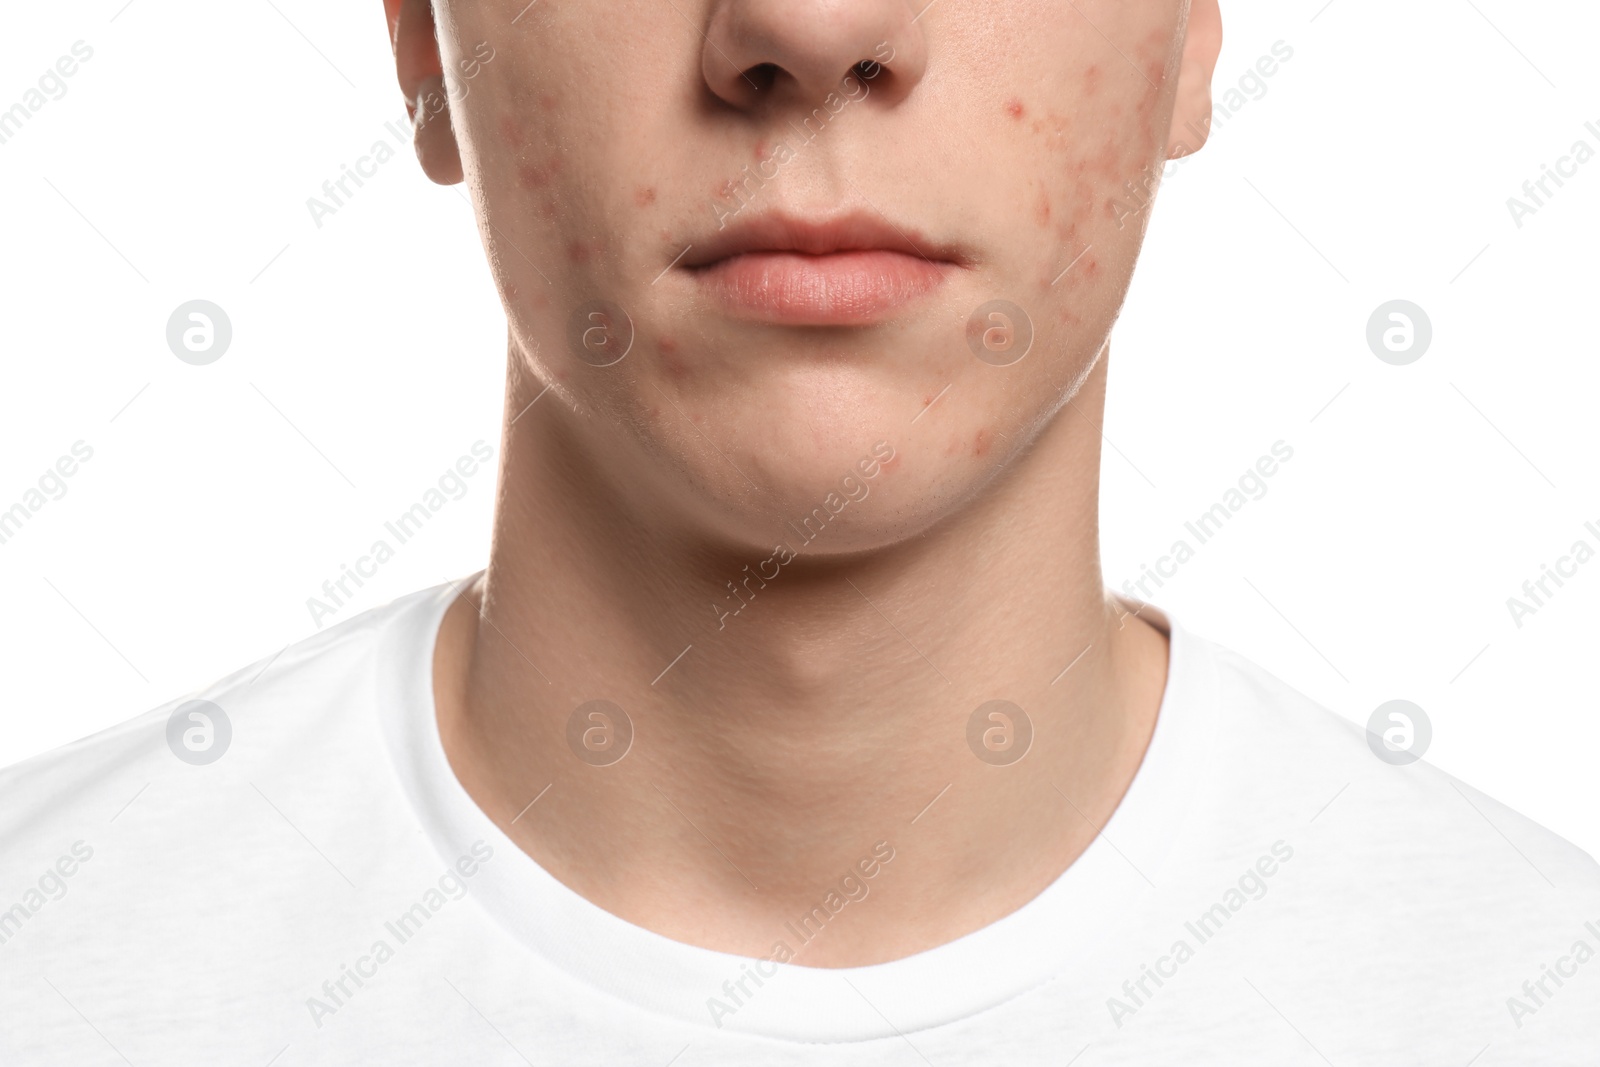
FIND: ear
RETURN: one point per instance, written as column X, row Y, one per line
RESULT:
column 1191, row 114
column 421, row 74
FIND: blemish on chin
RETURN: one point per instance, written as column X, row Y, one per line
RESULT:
column 1014, row 108
column 644, row 196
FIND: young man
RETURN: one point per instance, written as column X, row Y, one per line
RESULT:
column 790, row 721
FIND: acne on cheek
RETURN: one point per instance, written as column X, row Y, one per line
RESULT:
column 533, row 176
column 670, row 362
column 581, row 251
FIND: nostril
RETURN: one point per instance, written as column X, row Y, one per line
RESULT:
column 762, row 76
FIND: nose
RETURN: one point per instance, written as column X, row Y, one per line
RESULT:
column 757, row 50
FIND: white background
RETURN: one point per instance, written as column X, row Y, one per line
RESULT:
column 367, row 356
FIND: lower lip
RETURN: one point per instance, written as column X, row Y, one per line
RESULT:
column 855, row 288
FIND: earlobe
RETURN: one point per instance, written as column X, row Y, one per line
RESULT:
column 421, row 76
column 433, row 135
column 1191, row 111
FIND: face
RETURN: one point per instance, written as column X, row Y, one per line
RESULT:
column 768, row 255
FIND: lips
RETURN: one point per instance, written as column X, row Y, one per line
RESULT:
column 850, row 270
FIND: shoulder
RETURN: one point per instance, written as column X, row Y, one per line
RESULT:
column 304, row 697
column 1424, row 906
column 1311, row 762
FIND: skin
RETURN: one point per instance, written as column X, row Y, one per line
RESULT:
column 598, row 141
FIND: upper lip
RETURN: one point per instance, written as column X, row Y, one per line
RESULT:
column 848, row 232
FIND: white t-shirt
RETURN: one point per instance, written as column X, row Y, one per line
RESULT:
column 1269, row 892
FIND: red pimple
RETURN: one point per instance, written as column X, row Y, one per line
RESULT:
column 760, row 152
column 644, row 196
column 1043, row 209
column 547, row 102
column 1014, row 108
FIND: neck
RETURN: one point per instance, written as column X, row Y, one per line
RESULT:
column 774, row 749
